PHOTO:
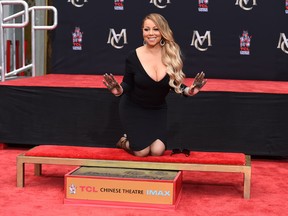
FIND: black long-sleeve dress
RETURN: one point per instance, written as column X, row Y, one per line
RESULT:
column 142, row 107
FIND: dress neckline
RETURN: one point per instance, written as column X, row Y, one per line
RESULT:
column 135, row 52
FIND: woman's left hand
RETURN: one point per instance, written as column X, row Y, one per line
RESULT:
column 198, row 83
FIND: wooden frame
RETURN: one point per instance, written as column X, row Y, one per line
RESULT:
column 38, row 161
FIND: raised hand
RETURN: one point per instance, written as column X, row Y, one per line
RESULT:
column 113, row 86
column 199, row 81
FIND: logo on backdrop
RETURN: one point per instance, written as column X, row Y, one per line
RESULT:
column 115, row 39
column 286, row 6
column 246, row 4
column 198, row 41
column 78, row 3
column 283, row 43
column 160, row 3
column 118, row 4
column 77, row 37
column 203, row 5
column 245, row 42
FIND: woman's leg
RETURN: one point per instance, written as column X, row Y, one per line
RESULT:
column 143, row 153
column 157, row 148
column 123, row 143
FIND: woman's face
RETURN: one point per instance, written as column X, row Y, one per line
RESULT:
column 151, row 33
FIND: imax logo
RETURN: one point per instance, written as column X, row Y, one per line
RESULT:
column 157, row 193
column 283, row 43
column 114, row 39
column 158, row 3
column 78, row 3
column 198, row 41
column 244, row 4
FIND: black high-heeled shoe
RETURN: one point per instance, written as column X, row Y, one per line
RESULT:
column 186, row 152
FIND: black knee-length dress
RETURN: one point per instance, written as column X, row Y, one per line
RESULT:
column 142, row 107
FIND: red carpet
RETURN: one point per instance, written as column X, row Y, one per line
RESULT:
column 95, row 81
column 203, row 193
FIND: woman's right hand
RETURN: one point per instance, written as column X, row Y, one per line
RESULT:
column 113, row 86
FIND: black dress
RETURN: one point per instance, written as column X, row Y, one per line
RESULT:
column 142, row 107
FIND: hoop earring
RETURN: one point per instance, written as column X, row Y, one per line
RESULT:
column 144, row 42
column 162, row 42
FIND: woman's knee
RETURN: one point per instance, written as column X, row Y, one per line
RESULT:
column 157, row 152
column 157, row 148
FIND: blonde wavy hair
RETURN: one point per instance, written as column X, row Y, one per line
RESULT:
column 171, row 51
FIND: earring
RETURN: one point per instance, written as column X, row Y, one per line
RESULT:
column 162, row 42
column 144, row 42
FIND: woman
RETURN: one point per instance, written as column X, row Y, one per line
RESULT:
column 152, row 70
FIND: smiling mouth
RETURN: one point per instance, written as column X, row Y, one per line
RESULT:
column 152, row 39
